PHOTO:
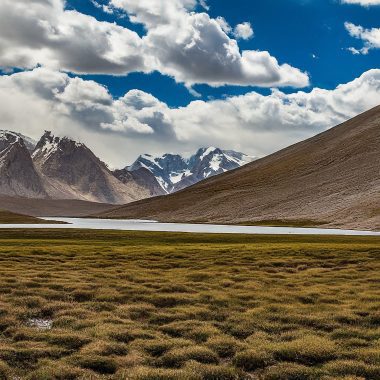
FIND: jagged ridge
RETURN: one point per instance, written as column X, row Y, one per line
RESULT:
column 175, row 172
column 61, row 168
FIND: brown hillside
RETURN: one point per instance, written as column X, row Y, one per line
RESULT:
column 51, row 207
column 332, row 178
column 7, row 217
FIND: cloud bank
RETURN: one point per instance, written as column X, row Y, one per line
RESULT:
column 117, row 128
column 180, row 40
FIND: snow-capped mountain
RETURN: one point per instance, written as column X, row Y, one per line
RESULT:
column 18, row 175
column 166, row 168
column 70, row 170
column 175, row 172
column 5, row 136
column 61, row 168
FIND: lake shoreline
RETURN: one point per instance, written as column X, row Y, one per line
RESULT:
column 153, row 226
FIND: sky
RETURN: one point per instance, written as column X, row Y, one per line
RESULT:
column 128, row 77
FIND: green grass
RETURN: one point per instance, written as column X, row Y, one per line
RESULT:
column 151, row 306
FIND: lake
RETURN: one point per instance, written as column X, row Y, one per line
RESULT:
column 149, row 225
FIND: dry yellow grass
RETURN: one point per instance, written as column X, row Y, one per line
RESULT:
column 130, row 305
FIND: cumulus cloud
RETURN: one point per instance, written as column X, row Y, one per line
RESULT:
column 243, row 31
column 199, row 51
column 142, row 113
column 87, row 103
column 191, row 47
column 42, row 32
column 119, row 129
column 364, row 3
column 370, row 37
column 194, row 48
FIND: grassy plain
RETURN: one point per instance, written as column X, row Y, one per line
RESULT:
column 151, row 306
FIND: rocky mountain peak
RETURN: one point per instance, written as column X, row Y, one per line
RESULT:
column 49, row 145
column 9, row 137
column 18, row 175
column 72, row 171
column 175, row 172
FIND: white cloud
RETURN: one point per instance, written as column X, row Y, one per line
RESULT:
column 354, row 51
column 364, row 3
column 153, row 13
column 204, row 5
column 370, row 37
column 191, row 47
column 119, row 129
column 41, row 32
column 104, row 8
column 262, row 124
column 243, row 31
column 197, row 50
column 83, row 94
column 226, row 27
column 194, row 48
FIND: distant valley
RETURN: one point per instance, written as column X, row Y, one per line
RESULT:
column 332, row 179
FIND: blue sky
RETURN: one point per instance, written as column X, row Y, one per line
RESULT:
column 292, row 30
column 128, row 77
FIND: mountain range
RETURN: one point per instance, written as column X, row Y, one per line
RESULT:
column 332, row 179
column 61, row 168
column 175, row 172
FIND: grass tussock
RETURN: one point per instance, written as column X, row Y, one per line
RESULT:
column 151, row 306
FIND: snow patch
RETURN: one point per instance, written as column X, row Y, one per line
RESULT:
column 207, row 152
column 216, row 162
column 47, row 150
column 40, row 323
column 177, row 177
column 162, row 183
column 29, row 142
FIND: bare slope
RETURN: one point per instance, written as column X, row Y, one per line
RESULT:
column 142, row 177
column 332, row 177
column 51, row 207
column 7, row 217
